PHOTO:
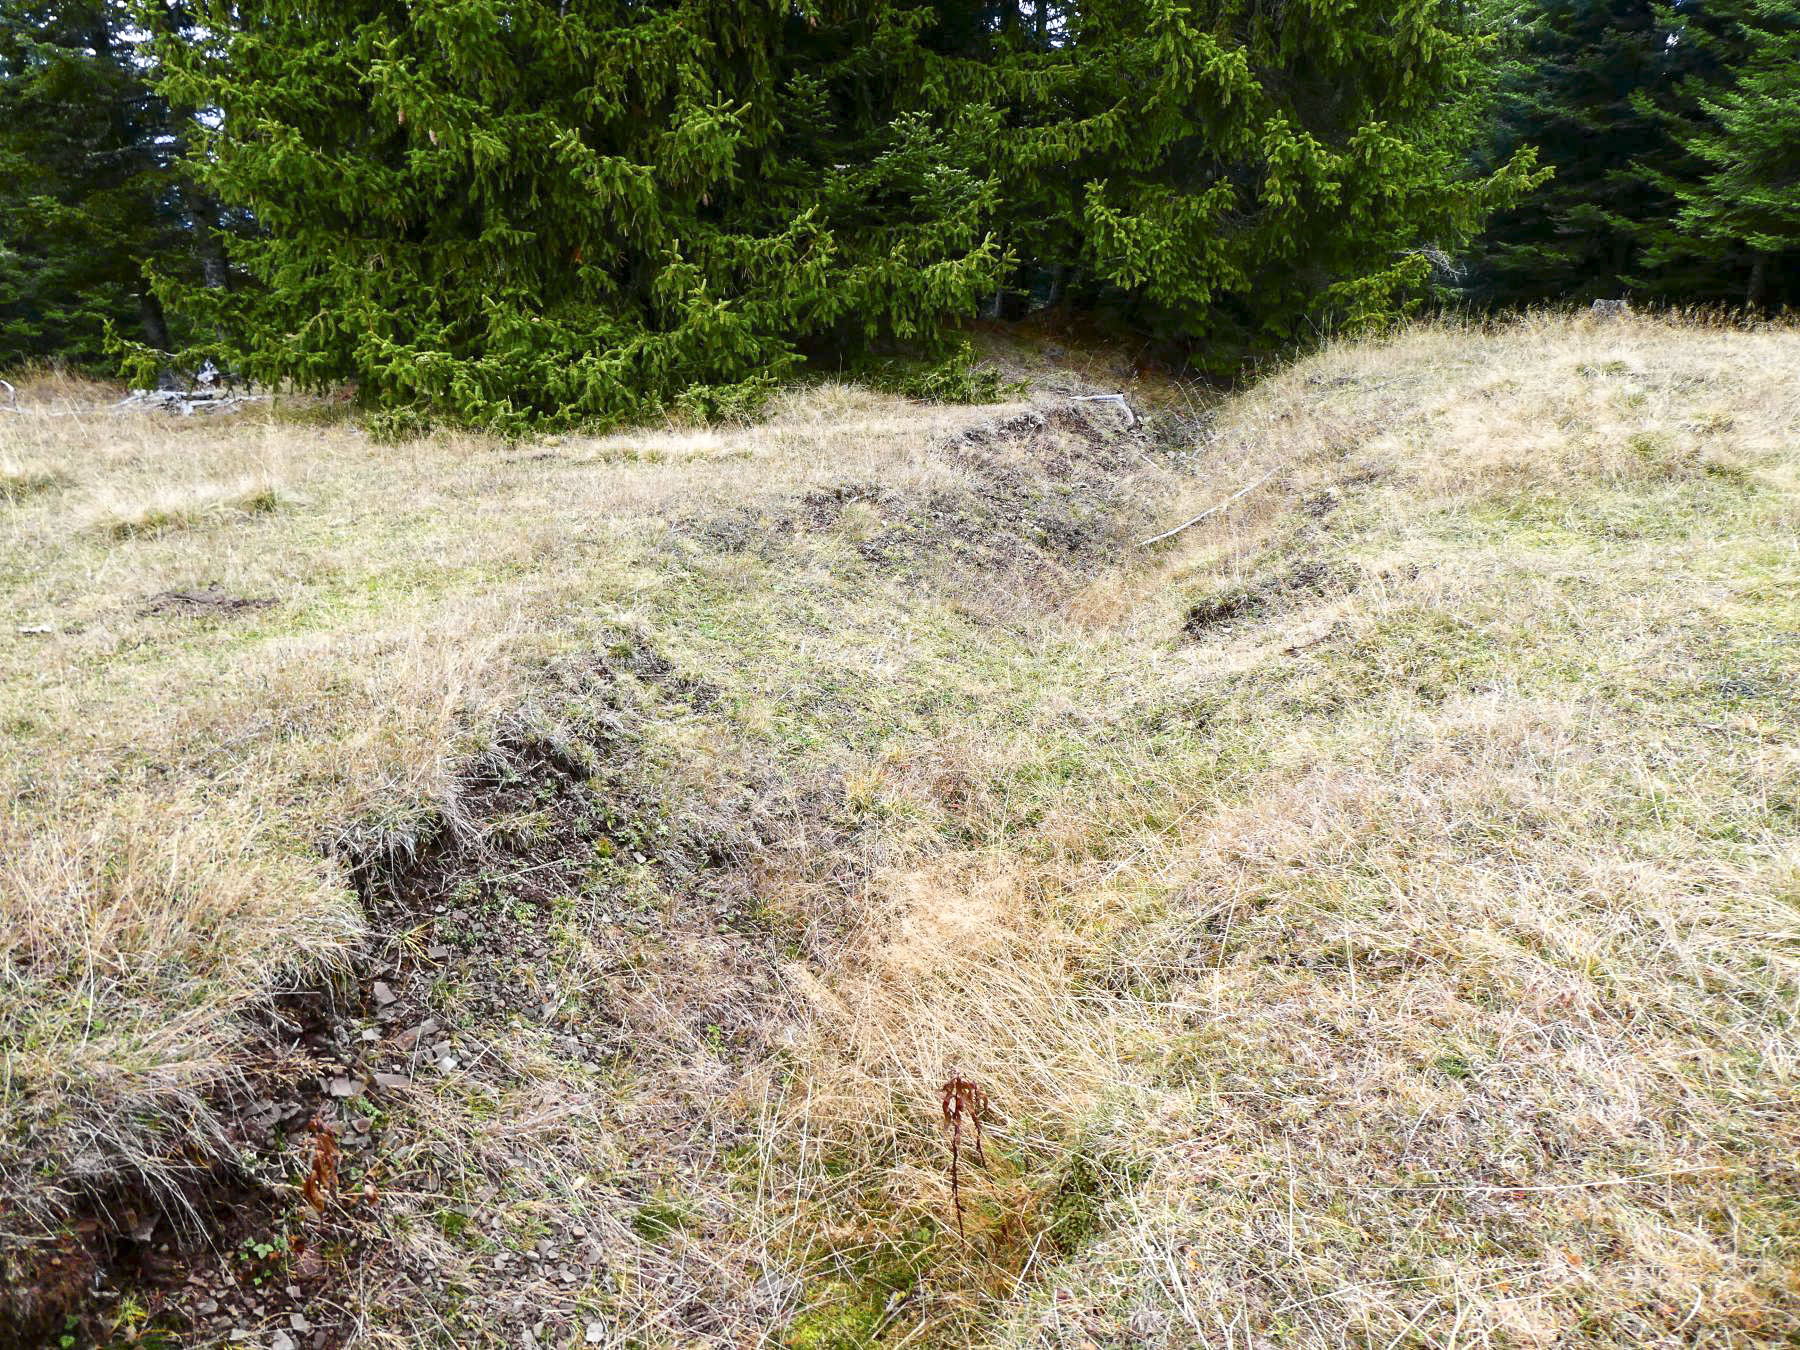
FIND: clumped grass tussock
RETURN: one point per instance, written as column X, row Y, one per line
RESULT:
column 19, row 480
column 130, row 942
column 187, row 509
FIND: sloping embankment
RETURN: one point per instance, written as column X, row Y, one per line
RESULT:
column 1370, row 914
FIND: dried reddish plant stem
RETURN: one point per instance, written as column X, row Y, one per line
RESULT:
column 322, row 1180
column 962, row 1100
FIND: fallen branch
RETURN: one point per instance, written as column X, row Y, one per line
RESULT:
column 1130, row 416
column 1210, row 511
column 184, row 402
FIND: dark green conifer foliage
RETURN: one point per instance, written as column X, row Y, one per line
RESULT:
column 1234, row 173
column 1739, row 126
column 1576, row 92
column 1668, row 128
column 512, row 212
column 87, row 192
column 509, row 212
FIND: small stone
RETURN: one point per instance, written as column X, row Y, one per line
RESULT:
column 447, row 1063
column 383, row 994
column 346, row 1087
column 441, row 952
column 1148, row 1324
column 282, row 1341
column 596, row 1332
column 777, row 1289
column 298, row 1322
column 392, row 1081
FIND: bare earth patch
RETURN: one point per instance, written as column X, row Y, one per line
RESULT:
column 209, row 600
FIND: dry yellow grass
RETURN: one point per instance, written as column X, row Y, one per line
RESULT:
column 1372, row 912
column 170, row 778
column 1407, row 954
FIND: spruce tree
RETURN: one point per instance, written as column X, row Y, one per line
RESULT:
column 1667, row 129
column 1229, row 173
column 88, row 190
column 529, row 212
column 1740, row 203
column 1576, row 91
column 578, row 211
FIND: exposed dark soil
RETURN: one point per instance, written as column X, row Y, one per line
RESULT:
column 1051, row 494
column 1312, row 579
column 203, row 602
column 547, row 819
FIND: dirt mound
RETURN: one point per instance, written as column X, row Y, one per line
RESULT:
column 1037, row 499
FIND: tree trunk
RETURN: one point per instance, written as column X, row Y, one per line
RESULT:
column 156, row 327
column 994, row 305
column 203, row 216
column 1759, row 276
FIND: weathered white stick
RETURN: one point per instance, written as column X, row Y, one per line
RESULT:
column 1210, row 511
column 1130, row 416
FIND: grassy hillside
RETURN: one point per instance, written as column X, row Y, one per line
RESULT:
column 1371, row 912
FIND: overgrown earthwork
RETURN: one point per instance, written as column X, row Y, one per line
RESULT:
column 1364, row 917
column 607, row 919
